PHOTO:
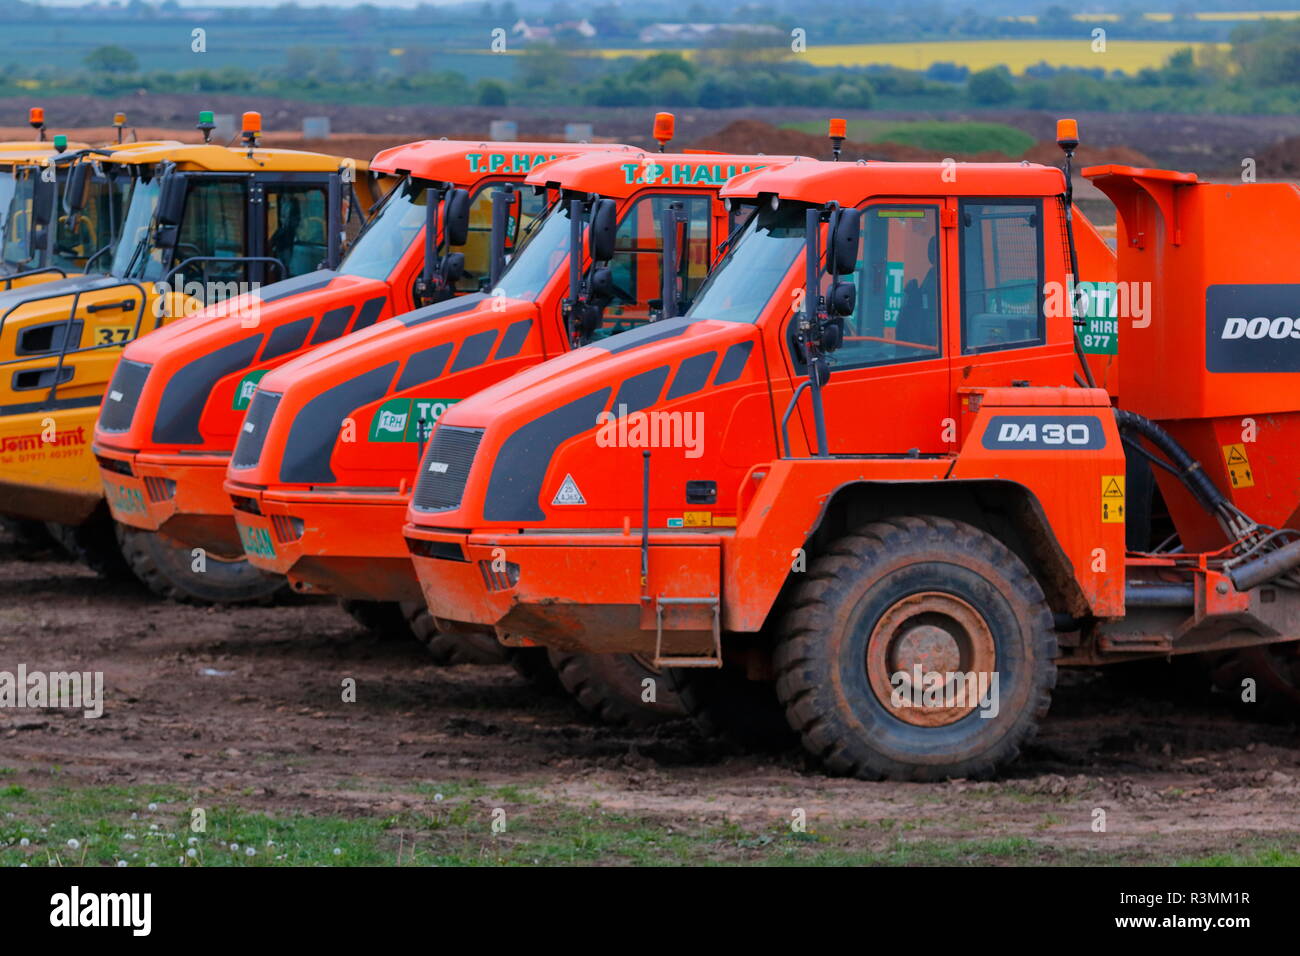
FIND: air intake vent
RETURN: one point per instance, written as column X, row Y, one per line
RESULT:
column 123, row 395
column 445, row 468
column 252, row 434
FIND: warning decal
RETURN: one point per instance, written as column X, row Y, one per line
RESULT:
column 1112, row 499
column 569, row 493
column 1239, row 472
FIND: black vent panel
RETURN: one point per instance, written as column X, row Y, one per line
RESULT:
column 123, row 395
column 252, row 434
column 445, row 468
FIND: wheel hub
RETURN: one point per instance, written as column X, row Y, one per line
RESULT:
column 929, row 658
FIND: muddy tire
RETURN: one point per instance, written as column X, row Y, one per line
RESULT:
column 1275, row 669
column 95, row 544
column 533, row 664
column 166, row 569
column 29, row 537
column 384, row 619
column 610, row 688
column 726, row 705
column 452, row 647
column 903, row 593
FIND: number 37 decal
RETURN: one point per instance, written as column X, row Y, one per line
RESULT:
column 114, row 334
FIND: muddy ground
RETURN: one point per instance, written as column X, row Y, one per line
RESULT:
column 1200, row 143
column 241, row 708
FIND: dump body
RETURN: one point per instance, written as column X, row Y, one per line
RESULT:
column 1216, row 360
column 237, row 210
column 164, row 460
column 301, row 485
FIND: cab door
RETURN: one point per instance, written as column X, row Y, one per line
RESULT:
column 890, row 392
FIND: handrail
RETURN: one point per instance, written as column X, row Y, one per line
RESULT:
column 785, row 419
column 284, row 273
column 9, row 279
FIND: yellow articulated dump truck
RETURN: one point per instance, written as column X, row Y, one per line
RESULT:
column 204, row 227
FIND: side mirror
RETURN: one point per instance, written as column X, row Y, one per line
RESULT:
column 604, row 223
column 842, row 298
column 171, row 201
column 42, row 201
column 456, row 217
column 74, row 191
column 601, row 284
column 842, row 248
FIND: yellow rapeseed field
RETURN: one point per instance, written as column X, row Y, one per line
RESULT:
column 1127, row 55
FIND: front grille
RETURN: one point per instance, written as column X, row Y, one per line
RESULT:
column 445, row 468
column 252, row 434
column 123, row 395
column 159, row 489
column 286, row 529
column 498, row 577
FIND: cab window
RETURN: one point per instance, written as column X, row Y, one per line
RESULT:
column 213, row 224
column 526, row 207
column 638, row 258
column 896, row 316
column 296, row 228
column 1001, row 275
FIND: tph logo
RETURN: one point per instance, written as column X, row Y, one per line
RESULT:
column 408, row 419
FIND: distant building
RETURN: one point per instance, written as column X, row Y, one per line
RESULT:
column 695, row 32
column 527, row 31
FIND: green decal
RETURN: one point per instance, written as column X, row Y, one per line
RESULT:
column 123, row 499
column 893, row 293
column 427, row 412
column 503, row 162
column 247, row 386
column 256, row 541
column 1098, row 305
column 389, row 423
column 408, row 419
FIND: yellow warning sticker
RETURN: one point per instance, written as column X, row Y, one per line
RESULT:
column 1112, row 499
column 1239, row 472
column 724, row 521
column 697, row 519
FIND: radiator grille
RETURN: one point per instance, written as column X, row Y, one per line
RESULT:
column 445, row 468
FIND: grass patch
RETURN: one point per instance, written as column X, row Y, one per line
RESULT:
column 953, row 138
column 474, row 824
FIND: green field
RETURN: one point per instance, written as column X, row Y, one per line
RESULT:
column 925, row 134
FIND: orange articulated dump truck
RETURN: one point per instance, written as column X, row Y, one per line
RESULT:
column 164, row 445
column 322, row 475
column 884, row 519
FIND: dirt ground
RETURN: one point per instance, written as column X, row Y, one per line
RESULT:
column 1200, row 143
column 243, row 708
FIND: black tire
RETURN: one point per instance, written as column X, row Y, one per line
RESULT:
column 449, row 648
column 384, row 619
column 611, row 688
column 891, row 595
column 95, row 544
column 533, row 664
column 29, row 537
column 166, row 569
column 1275, row 669
column 724, row 703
